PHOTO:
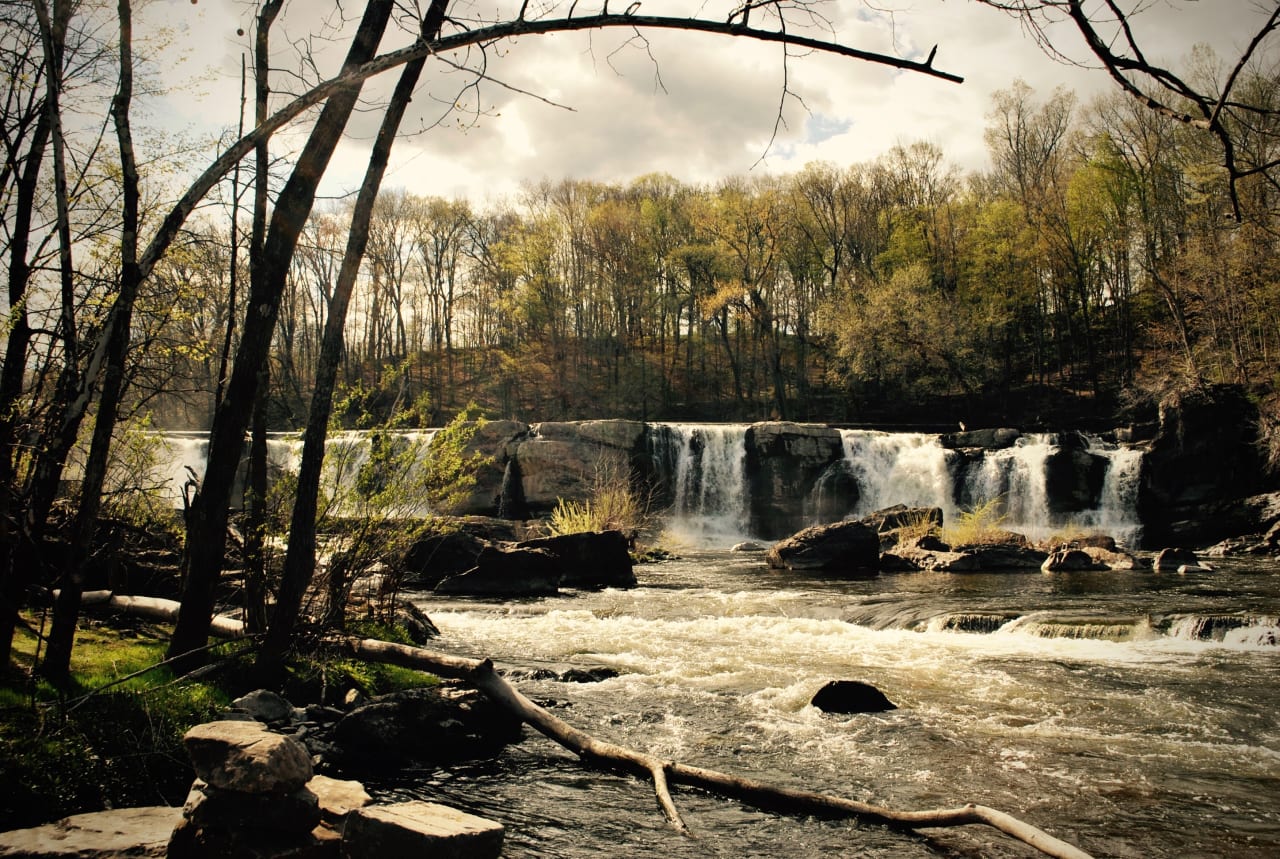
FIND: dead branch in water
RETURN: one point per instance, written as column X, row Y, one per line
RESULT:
column 596, row 752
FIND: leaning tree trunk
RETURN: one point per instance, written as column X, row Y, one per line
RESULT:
column 300, row 557
column 207, row 523
column 57, row 662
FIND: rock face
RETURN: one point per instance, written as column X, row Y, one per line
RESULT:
column 784, row 461
column 567, row 460
column 1203, row 454
column 590, row 560
column 851, row 696
column 842, row 547
column 420, row 829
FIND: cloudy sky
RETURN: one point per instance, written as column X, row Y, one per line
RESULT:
column 699, row 107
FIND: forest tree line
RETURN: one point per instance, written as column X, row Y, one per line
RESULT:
column 1099, row 255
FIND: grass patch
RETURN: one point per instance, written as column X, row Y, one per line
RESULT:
column 983, row 525
column 99, row 743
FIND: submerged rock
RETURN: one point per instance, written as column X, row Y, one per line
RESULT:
column 851, row 696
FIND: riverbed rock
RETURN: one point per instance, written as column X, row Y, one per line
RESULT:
column 592, row 559
column 1168, row 560
column 437, row 724
column 1068, row 561
column 508, row 573
column 295, row 812
column 1009, row 556
column 840, row 547
column 420, row 828
column 246, row 757
column 747, row 547
column 126, row 833
column 851, row 696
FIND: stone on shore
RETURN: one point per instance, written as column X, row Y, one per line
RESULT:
column 126, row 832
column 420, row 829
column 246, row 757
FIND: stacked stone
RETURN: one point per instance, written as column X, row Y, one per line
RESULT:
column 251, row 796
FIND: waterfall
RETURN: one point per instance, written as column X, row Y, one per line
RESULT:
column 1015, row 478
column 898, row 468
column 1117, row 511
column 916, row 470
column 705, row 467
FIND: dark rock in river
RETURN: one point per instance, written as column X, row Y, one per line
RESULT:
column 851, row 696
column 590, row 559
column 506, row 572
column 1069, row 560
column 849, row 547
column 988, row 439
column 438, row 724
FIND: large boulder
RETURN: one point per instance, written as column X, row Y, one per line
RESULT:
column 1073, row 476
column 569, row 460
column 1169, row 560
column 496, row 440
column 508, row 573
column 245, row 756
column 592, row 559
column 840, row 547
column 1069, row 561
column 437, row 724
column 784, row 462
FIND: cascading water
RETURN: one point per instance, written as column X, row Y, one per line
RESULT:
column 705, row 467
column 915, row 470
column 898, row 468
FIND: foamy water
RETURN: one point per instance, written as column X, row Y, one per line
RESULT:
column 1134, row 715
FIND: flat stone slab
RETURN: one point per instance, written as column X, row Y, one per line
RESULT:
column 126, row 832
column 419, row 829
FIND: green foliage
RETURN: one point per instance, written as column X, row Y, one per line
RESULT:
column 980, row 526
column 613, row 505
column 386, row 490
column 111, row 744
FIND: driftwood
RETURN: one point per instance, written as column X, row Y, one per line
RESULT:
column 595, row 752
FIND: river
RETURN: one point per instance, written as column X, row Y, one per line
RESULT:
column 1131, row 713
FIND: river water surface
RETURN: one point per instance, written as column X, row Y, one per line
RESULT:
column 1131, row 713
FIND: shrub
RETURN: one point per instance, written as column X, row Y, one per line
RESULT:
column 981, row 525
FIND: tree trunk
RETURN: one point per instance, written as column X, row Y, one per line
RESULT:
column 300, row 557
column 57, row 662
column 207, row 524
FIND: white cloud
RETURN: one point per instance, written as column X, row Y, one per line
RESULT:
column 717, row 112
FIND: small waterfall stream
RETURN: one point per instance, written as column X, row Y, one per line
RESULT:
column 707, row 464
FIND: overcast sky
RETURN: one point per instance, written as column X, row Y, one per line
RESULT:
column 699, row 107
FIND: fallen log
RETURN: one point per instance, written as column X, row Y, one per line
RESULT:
column 607, row 755
column 158, row 608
